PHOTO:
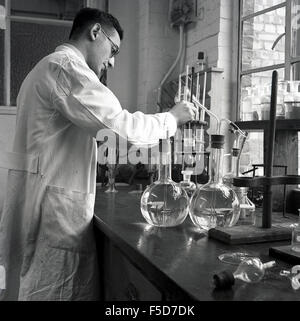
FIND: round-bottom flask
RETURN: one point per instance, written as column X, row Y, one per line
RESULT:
column 251, row 270
column 215, row 204
column 164, row 203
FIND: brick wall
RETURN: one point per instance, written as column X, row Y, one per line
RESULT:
column 259, row 35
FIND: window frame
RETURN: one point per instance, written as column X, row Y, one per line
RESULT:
column 7, row 40
column 289, row 60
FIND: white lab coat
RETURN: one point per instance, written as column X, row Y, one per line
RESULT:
column 46, row 240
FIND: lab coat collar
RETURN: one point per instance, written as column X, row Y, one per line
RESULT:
column 68, row 46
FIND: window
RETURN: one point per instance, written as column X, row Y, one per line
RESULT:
column 253, row 154
column 33, row 29
column 268, row 40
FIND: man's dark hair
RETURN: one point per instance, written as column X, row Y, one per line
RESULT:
column 88, row 16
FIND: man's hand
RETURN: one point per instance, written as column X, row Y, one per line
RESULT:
column 184, row 111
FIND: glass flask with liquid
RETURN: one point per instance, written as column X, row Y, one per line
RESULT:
column 164, row 203
column 112, row 168
column 250, row 271
column 215, row 204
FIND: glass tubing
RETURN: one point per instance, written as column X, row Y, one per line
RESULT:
column 194, row 137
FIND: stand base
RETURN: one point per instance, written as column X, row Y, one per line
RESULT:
column 285, row 253
column 281, row 230
column 246, row 234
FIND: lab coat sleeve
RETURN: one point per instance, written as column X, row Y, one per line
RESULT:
column 85, row 101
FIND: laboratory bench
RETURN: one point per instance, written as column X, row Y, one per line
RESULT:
column 139, row 262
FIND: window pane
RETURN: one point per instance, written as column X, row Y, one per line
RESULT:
column 53, row 9
column 253, row 153
column 255, row 96
column 36, row 42
column 295, row 25
column 259, row 36
column 251, row 6
column 1, row 68
column 295, row 75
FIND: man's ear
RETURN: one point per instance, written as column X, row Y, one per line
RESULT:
column 94, row 31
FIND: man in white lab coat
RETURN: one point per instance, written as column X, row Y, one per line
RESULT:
column 47, row 248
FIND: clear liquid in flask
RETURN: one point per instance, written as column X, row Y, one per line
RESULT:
column 164, row 205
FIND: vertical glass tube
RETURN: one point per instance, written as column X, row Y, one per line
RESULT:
column 164, row 172
column 234, row 170
column 216, row 163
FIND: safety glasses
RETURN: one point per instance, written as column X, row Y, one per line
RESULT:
column 114, row 48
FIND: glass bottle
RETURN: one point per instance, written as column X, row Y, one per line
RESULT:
column 187, row 184
column 112, row 168
column 251, row 271
column 293, row 275
column 247, row 207
column 296, row 236
column 265, row 103
column 246, row 106
column 281, row 90
column 164, row 203
column 215, row 204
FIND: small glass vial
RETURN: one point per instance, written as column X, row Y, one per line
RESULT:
column 187, row 184
column 247, row 207
column 296, row 236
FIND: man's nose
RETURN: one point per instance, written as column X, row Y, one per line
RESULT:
column 111, row 62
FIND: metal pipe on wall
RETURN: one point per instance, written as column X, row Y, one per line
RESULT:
column 181, row 31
